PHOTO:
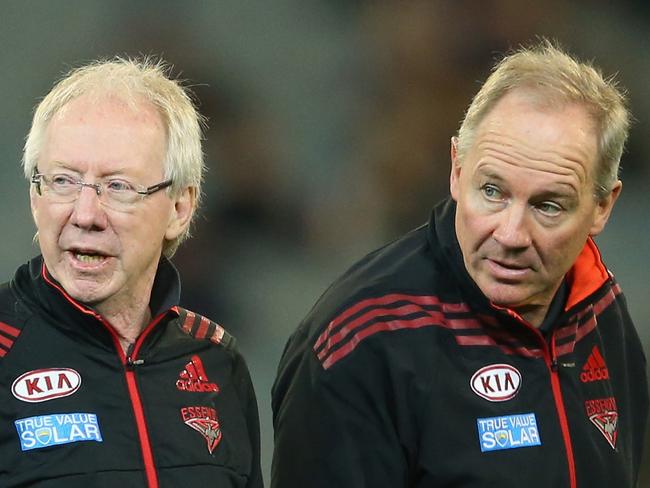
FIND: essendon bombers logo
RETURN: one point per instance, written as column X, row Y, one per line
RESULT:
column 595, row 368
column 193, row 378
column 203, row 420
column 604, row 415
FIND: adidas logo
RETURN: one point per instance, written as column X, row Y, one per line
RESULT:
column 193, row 378
column 595, row 368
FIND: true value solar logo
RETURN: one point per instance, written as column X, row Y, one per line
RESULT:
column 508, row 432
column 56, row 429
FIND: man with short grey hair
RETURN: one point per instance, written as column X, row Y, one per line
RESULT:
column 490, row 347
column 107, row 381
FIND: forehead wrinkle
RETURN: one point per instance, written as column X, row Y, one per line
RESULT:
column 565, row 161
column 64, row 165
column 490, row 169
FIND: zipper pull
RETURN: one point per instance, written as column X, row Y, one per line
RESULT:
column 554, row 365
column 131, row 364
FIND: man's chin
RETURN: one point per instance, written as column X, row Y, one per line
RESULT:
column 512, row 296
column 88, row 292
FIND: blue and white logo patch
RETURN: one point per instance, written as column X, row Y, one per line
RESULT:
column 57, row 428
column 508, row 432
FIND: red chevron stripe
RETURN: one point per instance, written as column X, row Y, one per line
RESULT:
column 403, row 310
column 607, row 300
column 566, row 331
column 475, row 340
column 329, row 339
column 428, row 300
column 203, row 328
column 9, row 330
column 187, row 323
column 580, row 331
column 6, row 342
column 392, row 325
column 217, row 335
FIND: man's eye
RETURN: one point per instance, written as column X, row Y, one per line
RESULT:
column 119, row 186
column 491, row 192
column 550, row 209
column 62, row 181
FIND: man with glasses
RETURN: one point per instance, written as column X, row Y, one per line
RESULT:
column 106, row 380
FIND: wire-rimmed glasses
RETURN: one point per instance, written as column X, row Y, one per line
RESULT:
column 116, row 193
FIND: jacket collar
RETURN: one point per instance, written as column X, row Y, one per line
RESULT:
column 34, row 284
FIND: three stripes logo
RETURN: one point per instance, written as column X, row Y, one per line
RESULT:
column 194, row 378
column 595, row 368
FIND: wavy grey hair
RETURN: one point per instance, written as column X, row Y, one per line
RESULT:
column 557, row 79
column 133, row 80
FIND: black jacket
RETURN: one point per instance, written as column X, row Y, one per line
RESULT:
column 75, row 411
column 404, row 375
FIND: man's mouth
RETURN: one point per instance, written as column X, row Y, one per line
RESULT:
column 508, row 270
column 89, row 258
column 510, row 265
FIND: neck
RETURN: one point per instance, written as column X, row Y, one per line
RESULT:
column 128, row 321
column 535, row 316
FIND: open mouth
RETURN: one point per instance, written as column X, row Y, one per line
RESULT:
column 88, row 258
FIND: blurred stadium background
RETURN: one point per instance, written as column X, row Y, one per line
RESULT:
column 329, row 127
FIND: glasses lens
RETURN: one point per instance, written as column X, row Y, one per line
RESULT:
column 60, row 188
column 120, row 191
column 117, row 194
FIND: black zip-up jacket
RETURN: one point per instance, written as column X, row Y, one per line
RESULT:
column 404, row 375
column 177, row 410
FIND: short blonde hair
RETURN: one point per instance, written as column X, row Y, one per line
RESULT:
column 556, row 79
column 133, row 80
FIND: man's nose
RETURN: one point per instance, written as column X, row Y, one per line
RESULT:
column 88, row 212
column 512, row 229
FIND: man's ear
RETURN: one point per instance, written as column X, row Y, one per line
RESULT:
column 604, row 209
column 455, row 169
column 181, row 214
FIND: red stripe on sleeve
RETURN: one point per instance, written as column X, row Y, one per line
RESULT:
column 203, row 328
column 9, row 330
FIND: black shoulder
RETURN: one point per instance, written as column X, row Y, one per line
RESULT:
column 404, row 266
column 203, row 329
column 400, row 287
column 13, row 316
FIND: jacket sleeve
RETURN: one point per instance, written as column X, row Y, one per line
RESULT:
column 335, row 427
column 249, row 403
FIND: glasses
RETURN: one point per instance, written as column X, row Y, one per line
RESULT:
column 115, row 193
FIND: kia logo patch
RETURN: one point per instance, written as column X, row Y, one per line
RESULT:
column 41, row 385
column 496, row 382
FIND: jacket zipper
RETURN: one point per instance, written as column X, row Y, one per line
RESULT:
column 550, row 358
column 128, row 362
column 551, row 362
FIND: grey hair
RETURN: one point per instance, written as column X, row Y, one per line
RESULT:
column 133, row 80
column 557, row 79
